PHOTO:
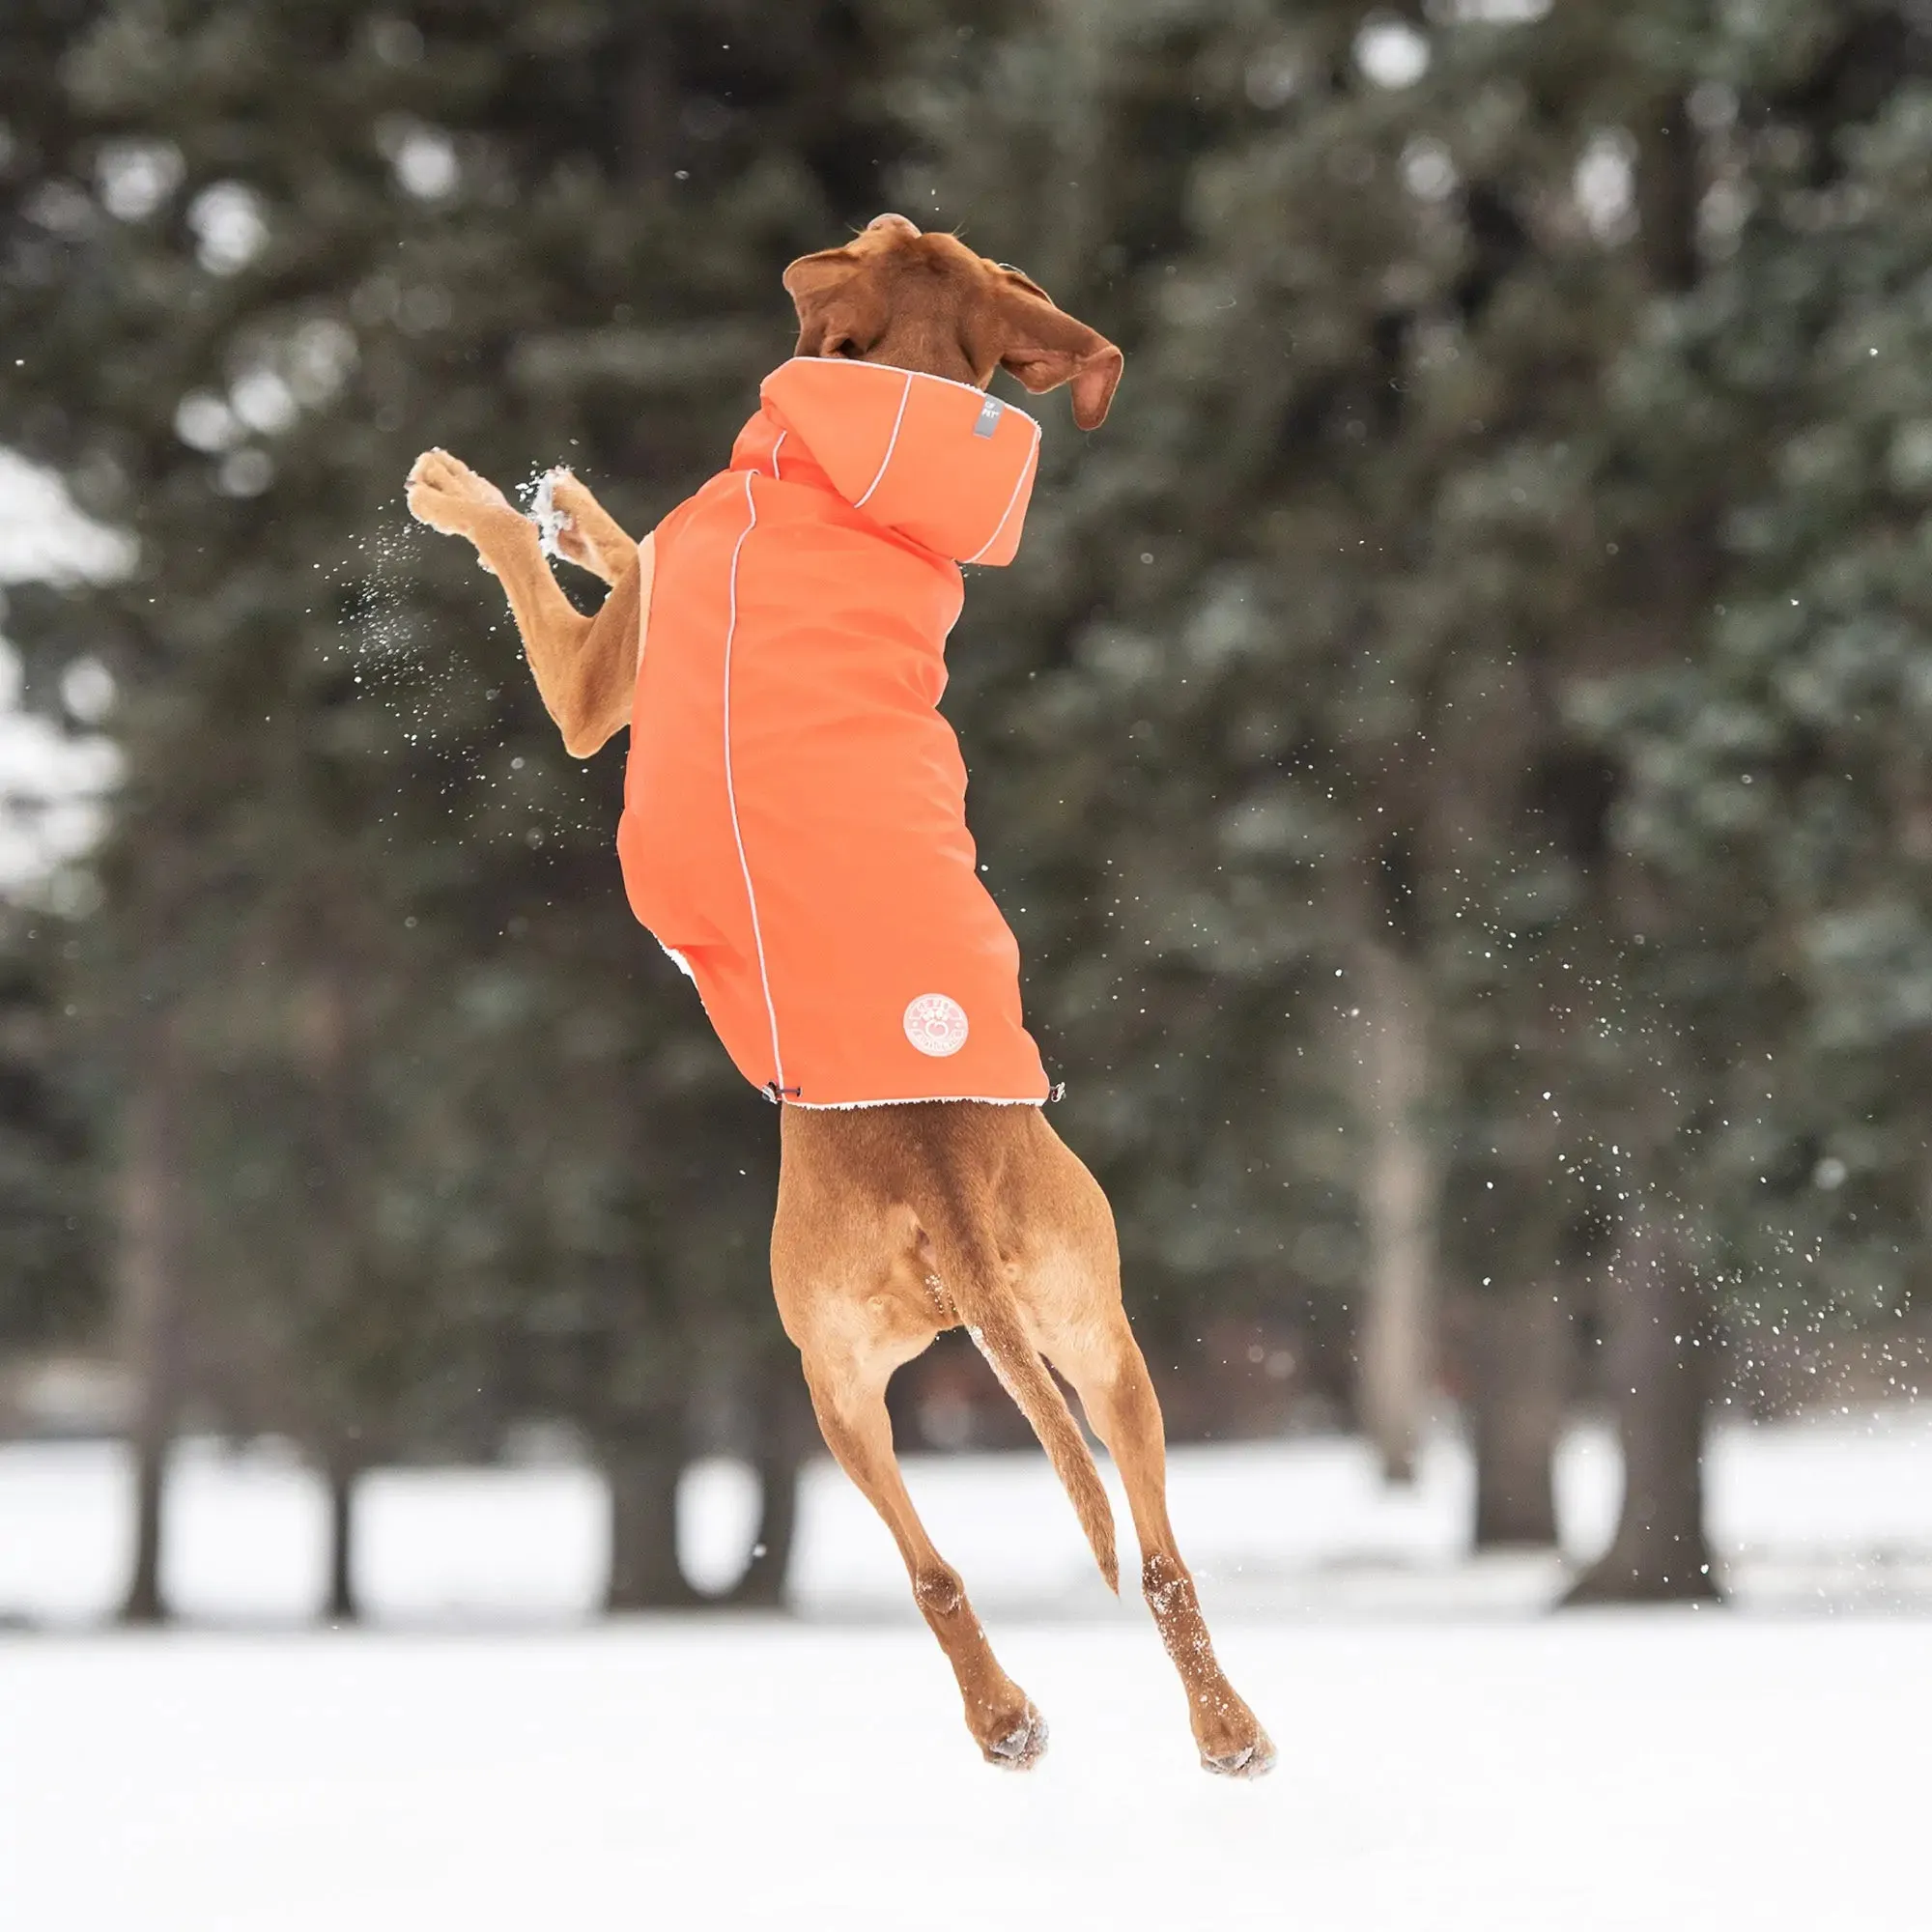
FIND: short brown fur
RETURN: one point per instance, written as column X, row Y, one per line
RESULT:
column 895, row 1223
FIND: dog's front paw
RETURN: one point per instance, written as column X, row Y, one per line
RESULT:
column 448, row 495
column 577, row 527
column 557, row 528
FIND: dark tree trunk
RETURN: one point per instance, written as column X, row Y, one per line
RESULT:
column 144, row 1602
column 763, row 1586
column 1401, row 1203
column 341, row 1607
column 646, row 1574
column 1519, row 1390
column 1658, row 1343
column 1659, row 1335
column 783, row 1419
column 152, row 1295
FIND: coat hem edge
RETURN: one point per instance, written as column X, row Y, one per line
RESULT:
column 922, row 1100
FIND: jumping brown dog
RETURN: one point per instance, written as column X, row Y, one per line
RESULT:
column 898, row 1222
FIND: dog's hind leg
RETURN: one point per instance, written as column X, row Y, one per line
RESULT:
column 1110, row 1375
column 851, row 1408
column 855, row 1314
column 1071, row 1285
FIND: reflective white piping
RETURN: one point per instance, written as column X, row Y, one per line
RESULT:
column 776, row 447
column 885, row 462
column 1026, row 471
column 647, row 578
column 730, row 791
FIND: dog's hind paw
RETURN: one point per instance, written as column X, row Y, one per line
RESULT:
column 1023, row 1746
column 1251, row 1761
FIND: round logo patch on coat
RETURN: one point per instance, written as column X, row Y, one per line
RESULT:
column 936, row 1024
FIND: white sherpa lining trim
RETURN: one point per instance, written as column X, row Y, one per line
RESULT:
column 917, row 1100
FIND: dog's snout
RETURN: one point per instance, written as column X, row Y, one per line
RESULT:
column 896, row 223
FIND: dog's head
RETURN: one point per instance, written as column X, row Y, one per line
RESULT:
column 927, row 302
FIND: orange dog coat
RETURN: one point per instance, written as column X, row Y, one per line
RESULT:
column 794, row 829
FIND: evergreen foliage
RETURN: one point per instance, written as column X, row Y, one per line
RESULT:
column 51, row 1278
column 1495, row 617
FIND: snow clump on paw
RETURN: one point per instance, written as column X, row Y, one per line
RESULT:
column 551, row 521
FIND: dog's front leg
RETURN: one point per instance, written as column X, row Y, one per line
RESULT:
column 583, row 667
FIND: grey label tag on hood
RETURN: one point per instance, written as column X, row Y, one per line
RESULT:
column 989, row 416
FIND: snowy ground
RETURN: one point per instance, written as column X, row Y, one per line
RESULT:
column 1450, row 1759
column 1666, row 1770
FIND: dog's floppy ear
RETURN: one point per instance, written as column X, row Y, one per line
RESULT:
column 840, row 311
column 1044, row 346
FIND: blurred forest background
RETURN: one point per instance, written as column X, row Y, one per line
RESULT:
column 1453, row 748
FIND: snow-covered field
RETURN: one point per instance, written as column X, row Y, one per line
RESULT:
column 1450, row 1759
column 1661, row 1771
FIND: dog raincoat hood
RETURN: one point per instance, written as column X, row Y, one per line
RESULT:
column 794, row 828
column 943, row 465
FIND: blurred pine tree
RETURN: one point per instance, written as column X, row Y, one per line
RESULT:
column 442, row 1093
column 51, row 1279
column 1395, row 610
column 1447, row 745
